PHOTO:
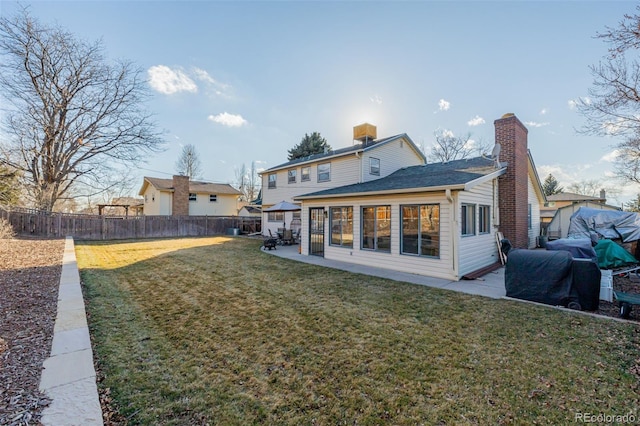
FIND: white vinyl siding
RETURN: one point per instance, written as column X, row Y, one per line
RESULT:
column 480, row 250
column 344, row 171
column 393, row 155
column 393, row 260
column 225, row 205
column 534, row 229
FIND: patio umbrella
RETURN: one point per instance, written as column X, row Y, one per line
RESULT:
column 283, row 206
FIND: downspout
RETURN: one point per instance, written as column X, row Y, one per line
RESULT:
column 453, row 226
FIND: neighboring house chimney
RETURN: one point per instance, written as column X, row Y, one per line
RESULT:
column 513, row 185
column 603, row 195
column 180, row 196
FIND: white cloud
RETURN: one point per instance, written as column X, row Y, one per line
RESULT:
column 444, row 105
column 543, row 111
column 229, row 120
column 611, row 157
column 221, row 89
column 535, row 124
column 167, row 81
column 447, row 133
column 476, row 121
column 376, row 99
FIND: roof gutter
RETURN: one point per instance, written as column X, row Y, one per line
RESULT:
column 302, row 163
column 459, row 187
column 486, row 178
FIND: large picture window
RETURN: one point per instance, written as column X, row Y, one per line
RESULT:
column 376, row 228
column 484, row 219
column 468, row 220
column 420, row 230
column 341, row 226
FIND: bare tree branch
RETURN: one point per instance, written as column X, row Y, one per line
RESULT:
column 72, row 116
column 188, row 164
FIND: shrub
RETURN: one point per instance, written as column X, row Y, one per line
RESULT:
column 6, row 230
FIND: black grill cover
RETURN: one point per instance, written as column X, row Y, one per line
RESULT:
column 540, row 276
column 586, row 283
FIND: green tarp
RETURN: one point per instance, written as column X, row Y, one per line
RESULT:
column 612, row 255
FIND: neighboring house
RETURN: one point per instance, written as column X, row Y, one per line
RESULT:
column 435, row 219
column 558, row 227
column 181, row 197
column 563, row 199
column 250, row 211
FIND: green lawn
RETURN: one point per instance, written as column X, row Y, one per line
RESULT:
column 213, row 330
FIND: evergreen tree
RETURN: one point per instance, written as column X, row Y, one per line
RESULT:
column 309, row 145
column 551, row 186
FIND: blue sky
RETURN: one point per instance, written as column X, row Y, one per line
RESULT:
column 244, row 81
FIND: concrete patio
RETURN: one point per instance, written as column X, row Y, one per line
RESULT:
column 490, row 285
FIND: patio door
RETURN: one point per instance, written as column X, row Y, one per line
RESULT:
column 316, row 231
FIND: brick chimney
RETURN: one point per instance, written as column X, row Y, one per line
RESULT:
column 180, row 196
column 513, row 185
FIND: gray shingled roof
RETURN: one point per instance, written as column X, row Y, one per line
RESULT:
column 343, row 151
column 435, row 175
column 570, row 196
column 194, row 186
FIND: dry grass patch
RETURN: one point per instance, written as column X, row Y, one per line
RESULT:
column 213, row 330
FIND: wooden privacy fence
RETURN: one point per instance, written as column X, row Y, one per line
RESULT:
column 89, row 227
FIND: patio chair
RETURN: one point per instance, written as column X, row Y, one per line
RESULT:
column 287, row 237
column 296, row 236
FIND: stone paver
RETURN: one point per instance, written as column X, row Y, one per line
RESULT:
column 68, row 375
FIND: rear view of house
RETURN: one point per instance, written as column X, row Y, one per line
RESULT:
column 379, row 203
